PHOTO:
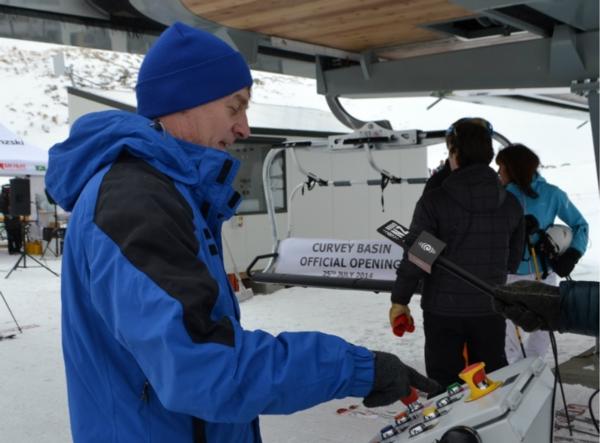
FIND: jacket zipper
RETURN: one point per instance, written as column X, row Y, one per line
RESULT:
column 145, row 397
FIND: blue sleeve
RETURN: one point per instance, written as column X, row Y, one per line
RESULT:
column 569, row 213
column 579, row 307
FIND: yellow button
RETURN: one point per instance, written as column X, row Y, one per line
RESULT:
column 429, row 410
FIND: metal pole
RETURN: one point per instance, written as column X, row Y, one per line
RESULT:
column 594, row 115
column 11, row 313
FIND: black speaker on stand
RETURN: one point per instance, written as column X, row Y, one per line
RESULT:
column 20, row 202
column 20, row 205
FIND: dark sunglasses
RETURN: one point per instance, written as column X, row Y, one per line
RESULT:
column 474, row 120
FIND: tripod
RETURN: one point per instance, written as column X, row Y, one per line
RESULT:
column 55, row 234
column 2, row 337
column 23, row 257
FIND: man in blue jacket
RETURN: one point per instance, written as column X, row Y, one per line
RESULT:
column 152, row 341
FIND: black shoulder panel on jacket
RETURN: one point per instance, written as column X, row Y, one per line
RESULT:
column 199, row 430
column 142, row 211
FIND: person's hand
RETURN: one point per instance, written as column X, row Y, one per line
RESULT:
column 401, row 320
column 393, row 380
column 529, row 304
column 563, row 264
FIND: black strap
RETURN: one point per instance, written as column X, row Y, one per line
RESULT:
column 385, row 180
column 311, row 181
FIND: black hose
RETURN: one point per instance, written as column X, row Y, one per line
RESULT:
column 558, row 379
column 594, row 420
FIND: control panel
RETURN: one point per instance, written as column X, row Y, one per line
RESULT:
column 511, row 404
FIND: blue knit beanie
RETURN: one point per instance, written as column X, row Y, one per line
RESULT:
column 185, row 68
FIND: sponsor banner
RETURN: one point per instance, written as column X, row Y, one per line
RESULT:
column 370, row 259
column 12, row 142
column 21, row 168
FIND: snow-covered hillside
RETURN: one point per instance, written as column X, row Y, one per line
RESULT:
column 34, row 99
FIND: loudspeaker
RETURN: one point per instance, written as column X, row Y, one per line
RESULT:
column 20, row 197
column 4, row 199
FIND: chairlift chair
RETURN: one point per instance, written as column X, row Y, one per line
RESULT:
column 370, row 137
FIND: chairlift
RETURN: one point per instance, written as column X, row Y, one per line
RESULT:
column 372, row 136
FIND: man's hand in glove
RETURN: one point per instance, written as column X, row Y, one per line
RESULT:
column 393, row 380
column 401, row 324
column 529, row 304
column 563, row 264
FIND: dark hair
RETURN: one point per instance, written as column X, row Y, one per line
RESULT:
column 521, row 165
column 471, row 140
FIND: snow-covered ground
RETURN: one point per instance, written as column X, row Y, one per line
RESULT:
column 34, row 104
column 32, row 385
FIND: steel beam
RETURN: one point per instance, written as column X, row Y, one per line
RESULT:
column 515, row 65
column 53, row 28
column 67, row 7
column 580, row 14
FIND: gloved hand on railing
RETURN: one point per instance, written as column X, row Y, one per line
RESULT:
column 400, row 319
column 393, row 381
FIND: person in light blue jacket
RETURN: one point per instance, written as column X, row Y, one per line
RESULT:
column 153, row 345
column 542, row 203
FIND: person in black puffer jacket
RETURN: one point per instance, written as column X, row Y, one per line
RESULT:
column 483, row 228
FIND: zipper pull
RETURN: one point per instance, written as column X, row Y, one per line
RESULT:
column 145, row 394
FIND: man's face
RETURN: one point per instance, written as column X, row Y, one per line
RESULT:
column 217, row 124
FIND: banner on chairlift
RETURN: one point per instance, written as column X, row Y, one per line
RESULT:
column 370, row 259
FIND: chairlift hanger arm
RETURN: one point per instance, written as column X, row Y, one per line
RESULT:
column 347, row 119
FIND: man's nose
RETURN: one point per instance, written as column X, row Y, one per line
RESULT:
column 241, row 129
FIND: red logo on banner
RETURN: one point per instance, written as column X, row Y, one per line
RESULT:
column 21, row 166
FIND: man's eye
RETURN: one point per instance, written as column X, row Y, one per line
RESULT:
column 235, row 109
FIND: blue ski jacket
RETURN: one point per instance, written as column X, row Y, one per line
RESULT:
column 551, row 202
column 151, row 335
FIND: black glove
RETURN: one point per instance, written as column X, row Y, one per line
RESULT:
column 529, row 304
column 532, row 226
column 564, row 264
column 393, row 380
